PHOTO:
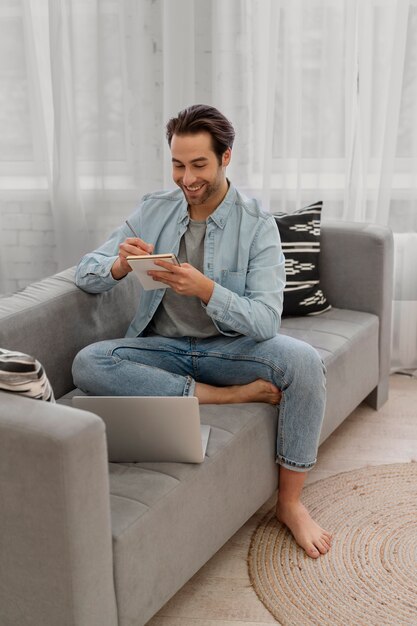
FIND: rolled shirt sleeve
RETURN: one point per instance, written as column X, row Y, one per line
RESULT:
column 93, row 273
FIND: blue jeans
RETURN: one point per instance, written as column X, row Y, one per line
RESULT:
column 155, row 366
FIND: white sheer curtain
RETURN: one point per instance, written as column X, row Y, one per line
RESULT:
column 322, row 93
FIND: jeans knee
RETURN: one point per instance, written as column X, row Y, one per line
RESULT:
column 305, row 365
column 84, row 362
column 313, row 366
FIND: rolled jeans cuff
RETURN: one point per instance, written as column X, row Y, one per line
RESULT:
column 293, row 465
column 189, row 388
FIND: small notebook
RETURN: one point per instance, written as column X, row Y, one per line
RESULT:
column 142, row 264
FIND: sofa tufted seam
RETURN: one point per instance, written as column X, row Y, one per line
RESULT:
column 138, row 466
column 117, row 495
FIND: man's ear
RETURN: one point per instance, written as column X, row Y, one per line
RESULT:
column 226, row 157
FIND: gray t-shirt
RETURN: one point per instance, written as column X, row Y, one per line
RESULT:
column 184, row 316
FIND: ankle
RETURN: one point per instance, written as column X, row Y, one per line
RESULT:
column 288, row 501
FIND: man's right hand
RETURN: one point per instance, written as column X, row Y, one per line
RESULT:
column 132, row 245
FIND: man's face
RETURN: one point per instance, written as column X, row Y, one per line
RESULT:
column 196, row 169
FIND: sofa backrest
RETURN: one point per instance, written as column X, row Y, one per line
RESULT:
column 53, row 319
column 356, row 268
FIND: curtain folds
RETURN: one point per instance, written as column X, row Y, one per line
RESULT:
column 322, row 94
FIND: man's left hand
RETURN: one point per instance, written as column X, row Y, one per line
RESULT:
column 185, row 280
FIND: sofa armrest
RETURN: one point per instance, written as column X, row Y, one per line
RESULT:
column 55, row 537
column 356, row 270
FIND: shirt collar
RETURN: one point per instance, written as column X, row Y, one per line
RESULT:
column 219, row 216
column 183, row 214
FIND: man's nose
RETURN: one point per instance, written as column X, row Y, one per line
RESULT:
column 189, row 178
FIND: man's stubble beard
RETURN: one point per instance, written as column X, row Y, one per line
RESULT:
column 208, row 192
column 211, row 189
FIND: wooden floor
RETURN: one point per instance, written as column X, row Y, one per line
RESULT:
column 220, row 593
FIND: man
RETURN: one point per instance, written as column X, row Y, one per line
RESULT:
column 213, row 332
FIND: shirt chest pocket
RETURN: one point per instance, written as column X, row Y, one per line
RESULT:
column 235, row 281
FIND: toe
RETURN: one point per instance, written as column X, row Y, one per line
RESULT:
column 322, row 547
column 313, row 552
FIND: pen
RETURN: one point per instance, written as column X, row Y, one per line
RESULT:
column 132, row 229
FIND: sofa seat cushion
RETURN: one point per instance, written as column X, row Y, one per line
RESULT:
column 347, row 342
column 331, row 332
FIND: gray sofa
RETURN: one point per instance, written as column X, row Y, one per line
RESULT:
column 84, row 543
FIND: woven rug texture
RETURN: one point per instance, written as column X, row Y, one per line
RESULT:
column 369, row 577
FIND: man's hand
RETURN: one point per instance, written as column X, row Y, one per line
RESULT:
column 185, row 280
column 132, row 245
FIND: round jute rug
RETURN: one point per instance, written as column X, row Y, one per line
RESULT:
column 369, row 577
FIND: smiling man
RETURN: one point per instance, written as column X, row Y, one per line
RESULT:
column 214, row 331
column 199, row 172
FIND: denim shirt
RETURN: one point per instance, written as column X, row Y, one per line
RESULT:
column 242, row 255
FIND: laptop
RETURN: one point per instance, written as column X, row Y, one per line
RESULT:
column 150, row 428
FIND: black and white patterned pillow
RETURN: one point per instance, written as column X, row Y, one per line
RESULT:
column 23, row 374
column 300, row 237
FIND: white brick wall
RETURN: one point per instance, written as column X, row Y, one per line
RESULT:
column 27, row 243
column 28, row 250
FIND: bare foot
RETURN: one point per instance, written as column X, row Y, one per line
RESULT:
column 257, row 391
column 307, row 533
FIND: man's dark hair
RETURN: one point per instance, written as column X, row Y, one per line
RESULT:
column 201, row 117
